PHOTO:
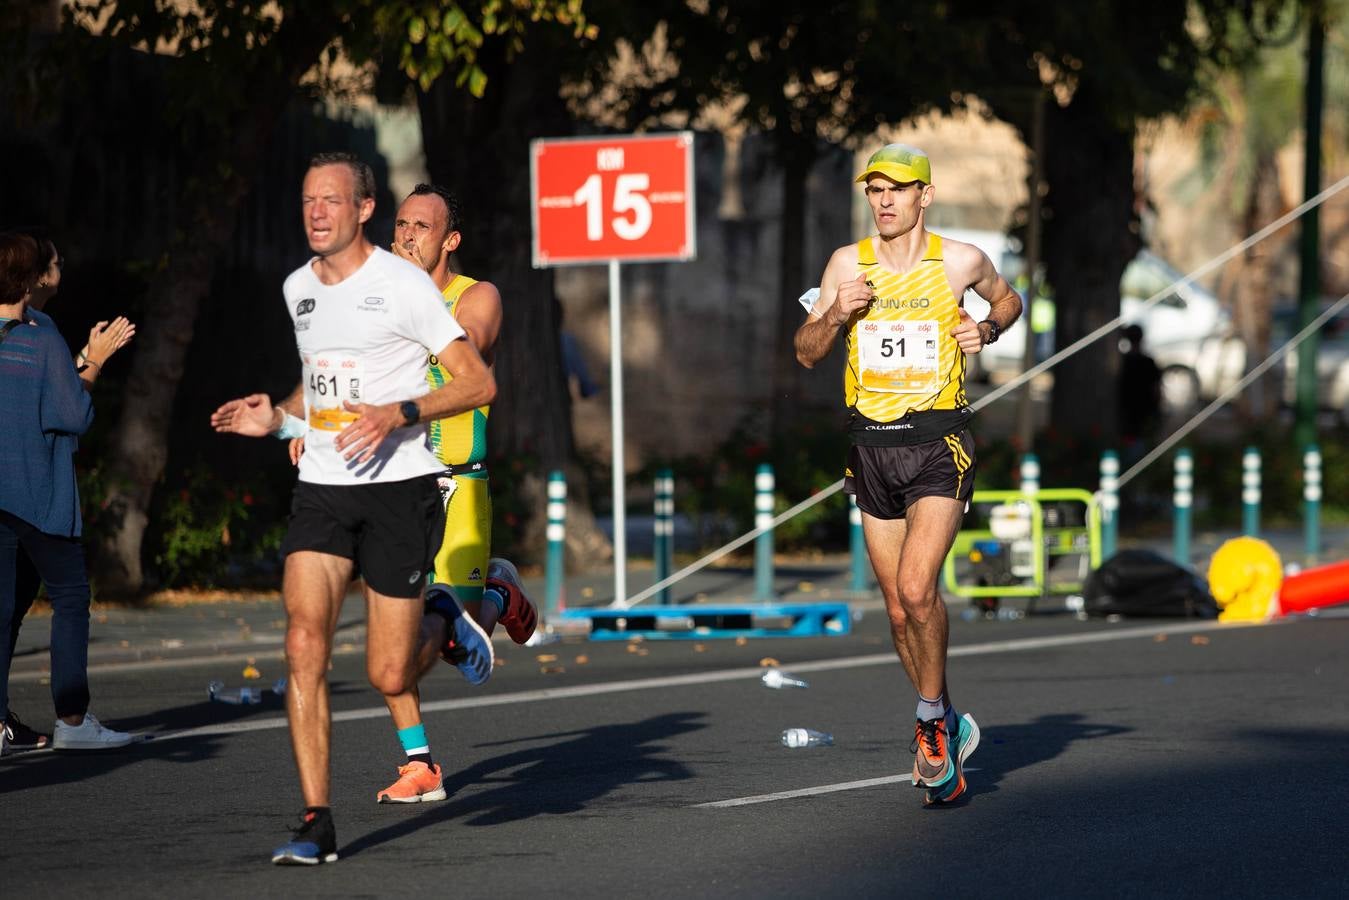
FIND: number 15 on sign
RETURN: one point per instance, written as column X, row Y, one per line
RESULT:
column 613, row 199
column 624, row 197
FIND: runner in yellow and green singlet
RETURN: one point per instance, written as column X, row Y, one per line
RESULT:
column 895, row 297
column 426, row 233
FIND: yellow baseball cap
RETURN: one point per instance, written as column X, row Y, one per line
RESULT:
column 900, row 162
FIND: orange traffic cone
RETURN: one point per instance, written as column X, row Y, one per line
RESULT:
column 1315, row 588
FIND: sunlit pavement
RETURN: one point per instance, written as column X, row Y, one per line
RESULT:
column 1121, row 758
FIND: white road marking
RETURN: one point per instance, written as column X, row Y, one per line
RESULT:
column 713, row 677
column 806, row 792
column 812, row 791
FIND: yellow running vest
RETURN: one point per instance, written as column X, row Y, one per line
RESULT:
column 901, row 356
column 463, row 438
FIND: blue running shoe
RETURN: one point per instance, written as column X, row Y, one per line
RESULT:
column 314, row 842
column 467, row 648
column 966, row 742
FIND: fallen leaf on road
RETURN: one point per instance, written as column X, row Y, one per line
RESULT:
column 552, row 670
column 1199, row 640
column 1160, row 639
column 741, row 641
column 768, row 661
column 582, row 660
column 806, row 587
column 546, row 657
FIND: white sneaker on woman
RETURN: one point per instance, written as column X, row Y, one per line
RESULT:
column 88, row 735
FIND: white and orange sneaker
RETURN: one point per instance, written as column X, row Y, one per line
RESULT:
column 417, row 783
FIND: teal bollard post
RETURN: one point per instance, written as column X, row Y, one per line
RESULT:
column 663, row 548
column 1311, row 503
column 1030, row 474
column 1183, row 499
column 763, row 544
column 1109, row 503
column 861, row 566
column 557, row 543
column 1250, row 492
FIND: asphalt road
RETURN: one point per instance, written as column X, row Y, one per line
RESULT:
column 1124, row 759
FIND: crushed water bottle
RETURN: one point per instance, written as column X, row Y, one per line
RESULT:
column 806, row 737
column 777, row 679
column 243, row 696
column 279, row 686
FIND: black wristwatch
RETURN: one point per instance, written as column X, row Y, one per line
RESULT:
column 994, row 329
column 411, row 414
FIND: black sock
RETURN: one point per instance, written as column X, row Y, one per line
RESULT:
column 424, row 757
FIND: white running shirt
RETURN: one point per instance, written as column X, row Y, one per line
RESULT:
column 366, row 339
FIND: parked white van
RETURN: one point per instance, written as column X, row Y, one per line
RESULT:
column 1187, row 331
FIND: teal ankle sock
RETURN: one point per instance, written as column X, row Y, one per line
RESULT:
column 496, row 598
column 414, row 743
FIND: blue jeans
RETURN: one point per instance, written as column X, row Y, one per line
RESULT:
column 60, row 564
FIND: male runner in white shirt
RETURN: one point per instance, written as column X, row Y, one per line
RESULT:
column 366, row 502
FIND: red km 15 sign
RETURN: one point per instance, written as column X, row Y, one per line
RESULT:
column 625, row 197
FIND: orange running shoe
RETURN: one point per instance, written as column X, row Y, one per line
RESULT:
column 417, row 783
column 520, row 618
column 954, row 787
column 931, row 763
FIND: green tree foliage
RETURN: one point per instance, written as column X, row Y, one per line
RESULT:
column 225, row 73
column 809, row 75
column 1102, row 66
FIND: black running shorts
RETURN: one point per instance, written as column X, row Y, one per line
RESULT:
column 391, row 530
column 887, row 480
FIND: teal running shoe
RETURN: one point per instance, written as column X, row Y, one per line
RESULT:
column 966, row 742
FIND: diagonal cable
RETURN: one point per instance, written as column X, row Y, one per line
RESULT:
column 1018, row 381
column 1226, row 396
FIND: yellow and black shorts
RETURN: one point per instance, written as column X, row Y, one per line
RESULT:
column 461, row 561
column 887, row 480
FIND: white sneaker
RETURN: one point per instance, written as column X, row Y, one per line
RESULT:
column 88, row 735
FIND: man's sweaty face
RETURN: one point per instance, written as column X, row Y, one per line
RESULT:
column 419, row 230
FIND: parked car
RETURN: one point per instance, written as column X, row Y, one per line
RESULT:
column 1187, row 331
column 1332, row 361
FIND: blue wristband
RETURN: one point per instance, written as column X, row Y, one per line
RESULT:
column 291, row 427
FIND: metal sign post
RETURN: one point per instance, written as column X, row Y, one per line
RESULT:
column 612, row 199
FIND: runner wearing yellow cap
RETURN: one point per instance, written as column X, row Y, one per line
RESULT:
column 895, row 297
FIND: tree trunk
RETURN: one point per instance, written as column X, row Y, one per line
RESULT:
column 530, row 424
column 796, row 154
column 1253, row 290
column 1091, row 234
column 213, row 186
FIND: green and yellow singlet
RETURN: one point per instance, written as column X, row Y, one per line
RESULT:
column 463, row 438
column 901, row 356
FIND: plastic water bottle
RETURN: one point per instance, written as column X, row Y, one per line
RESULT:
column 777, row 679
column 806, row 737
column 243, row 696
column 279, row 686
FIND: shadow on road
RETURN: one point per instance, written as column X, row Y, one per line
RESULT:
column 206, row 713
column 1007, row 748
column 555, row 779
column 46, row 768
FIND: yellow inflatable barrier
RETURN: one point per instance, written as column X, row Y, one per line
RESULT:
column 1244, row 577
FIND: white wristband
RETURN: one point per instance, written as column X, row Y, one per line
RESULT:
column 291, row 427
